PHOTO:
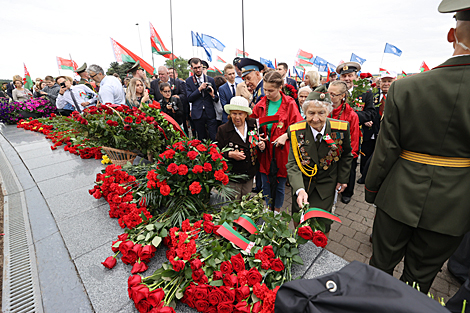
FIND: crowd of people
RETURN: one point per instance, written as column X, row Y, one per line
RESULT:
column 315, row 141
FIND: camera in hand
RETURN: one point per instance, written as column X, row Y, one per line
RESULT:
column 62, row 85
column 208, row 87
column 174, row 106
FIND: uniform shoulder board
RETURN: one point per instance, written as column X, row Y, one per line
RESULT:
column 298, row 126
column 339, row 125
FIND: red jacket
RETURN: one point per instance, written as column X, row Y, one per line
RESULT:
column 288, row 114
column 350, row 116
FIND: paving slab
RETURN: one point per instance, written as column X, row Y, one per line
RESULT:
column 87, row 167
column 67, row 183
column 42, row 222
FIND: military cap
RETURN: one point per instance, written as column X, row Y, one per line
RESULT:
column 81, row 69
column 205, row 64
column 247, row 65
column 236, row 60
column 461, row 7
column 348, row 67
column 320, row 94
column 135, row 67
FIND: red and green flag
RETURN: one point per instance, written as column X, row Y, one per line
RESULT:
column 304, row 55
column 328, row 74
column 247, row 223
column 219, row 59
column 218, row 70
column 211, row 70
column 28, row 82
column 303, row 62
column 316, row 212
column 65, row 64
column 424, row 67
column 268, row 120
column 239, row 53
column 122, row 54
column 235, row 237
column 404, row 74
column 158, row 46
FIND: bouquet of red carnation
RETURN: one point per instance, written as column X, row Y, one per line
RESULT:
column 290, row 91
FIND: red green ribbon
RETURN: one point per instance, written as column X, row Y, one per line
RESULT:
column 330, row 141
column 247, row 223
column 316, row 212
column 233, row 236
column 175, row 124
column 268, row 120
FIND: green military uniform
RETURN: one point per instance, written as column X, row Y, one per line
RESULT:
column 420, row 172
column 83, row 81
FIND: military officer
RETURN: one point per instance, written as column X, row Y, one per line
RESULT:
column 320, row 156
column 84, row 76
column 420, row 171
column 348, row 73
column 138, row 71
column 251, row 74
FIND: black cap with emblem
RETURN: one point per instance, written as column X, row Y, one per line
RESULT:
column 348, row 67
column 134, row 68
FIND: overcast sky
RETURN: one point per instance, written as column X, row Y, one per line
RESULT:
column 35, row 32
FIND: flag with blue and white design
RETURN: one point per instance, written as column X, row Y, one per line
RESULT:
column 266, row 62
column 211, row 42
column 319, row 61
column 356, row 58
column 392, row 49
column 201, row 43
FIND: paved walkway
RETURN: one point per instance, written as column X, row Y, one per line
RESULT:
column 350, row 240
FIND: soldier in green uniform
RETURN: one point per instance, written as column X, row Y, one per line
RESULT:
column 84, row 76
column 420, row 172
column 320, row 156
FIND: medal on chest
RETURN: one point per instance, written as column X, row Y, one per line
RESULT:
column 335, row 142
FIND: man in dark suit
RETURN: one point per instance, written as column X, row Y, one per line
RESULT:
column 201, row 93
column 282, row 68
column 348, row 73
column 370, row 133
column 228, row 90
column 420, row 171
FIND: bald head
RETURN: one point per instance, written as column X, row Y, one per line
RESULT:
column 163, row 74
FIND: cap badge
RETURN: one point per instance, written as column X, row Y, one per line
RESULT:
column 345, row 68
column 322, row 96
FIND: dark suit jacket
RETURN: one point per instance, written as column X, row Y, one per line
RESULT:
column 292, row 82
column 202, row 99
column 368, row 112
column 176, row 89
column 427, row 113
column 228, row 137
column 10, row 88
column 367, row 132
column 225, row 94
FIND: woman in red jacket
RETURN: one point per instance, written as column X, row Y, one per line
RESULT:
column 275, row 135
column 342, row 111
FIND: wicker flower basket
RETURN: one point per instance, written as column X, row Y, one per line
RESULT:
column 119, row 157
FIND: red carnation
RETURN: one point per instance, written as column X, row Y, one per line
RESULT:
column 178, row 265
column 192, row 155
column 208, row 227
column 319, row 239
column 198, row 169
column 201, row 148
column 172, row 168
column 128, row 119
column 127, row 127
column 207, row 167
column 207, row 217
column 306, row 232
column 182, row 170
column 169, row 154
column 194, row 142
column 165, row 190
column 195, row 188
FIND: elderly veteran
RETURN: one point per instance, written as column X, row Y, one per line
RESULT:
column 320, row 156
column 240, row 135
column 303, row 94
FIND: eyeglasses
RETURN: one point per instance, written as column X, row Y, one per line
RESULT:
column 334, row 95
column 166, row 91
column 197, row 67
column 93, row 76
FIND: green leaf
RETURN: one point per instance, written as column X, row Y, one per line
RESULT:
column 297, row 259
column 140, row 237
column 150, row 227
column 163, row 233
column 217, row 283
column 254, row 298
column 116, row 245
column 156, row 241
column 282, row 251
column 179, row 294
column 291, row 240
column 188, row 272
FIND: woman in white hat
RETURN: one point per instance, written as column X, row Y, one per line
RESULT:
column 240, row 135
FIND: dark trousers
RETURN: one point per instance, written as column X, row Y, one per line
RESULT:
column 202, row 123
column 349, row 191
column 425, row 251
column 367, row 148
column 459, row 265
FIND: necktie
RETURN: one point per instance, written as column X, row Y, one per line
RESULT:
column 75, row 101
column 318, row 140
column 382, row 105
column 233, row 91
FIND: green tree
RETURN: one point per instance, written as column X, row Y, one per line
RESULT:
column 181, row 65
column 120, row 69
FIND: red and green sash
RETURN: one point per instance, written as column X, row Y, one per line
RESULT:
column 247, row 223
column 316, row 212
column 233, row 236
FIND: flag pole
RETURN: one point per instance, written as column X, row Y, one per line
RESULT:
column 171, row 25
column 243, row 28
column 383, row 54
column 140, row 40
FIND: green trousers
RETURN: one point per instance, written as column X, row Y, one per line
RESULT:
column 425, row 251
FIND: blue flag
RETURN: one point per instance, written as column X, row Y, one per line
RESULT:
column 392, row 49
column 355, row 58
column 194, row 39
column 332, row 67
column 319, row 61
column 300, row 75
column 266, row 62
column 211, row 42
column 201, row 43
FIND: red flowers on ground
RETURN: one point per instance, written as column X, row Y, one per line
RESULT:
column 195, row 188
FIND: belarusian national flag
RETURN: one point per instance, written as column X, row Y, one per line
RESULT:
column 404, row 74
column 219, row 59
column 123, row 54
column 218, row 70
column 303, row 62
column 158, row 46
column 382, row 70
column 211, row 70
column 240, row 53
column 304, row 55
column 65, row 64
column 423, row 67
column 28, row 82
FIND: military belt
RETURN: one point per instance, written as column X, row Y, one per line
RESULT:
column 434, row 159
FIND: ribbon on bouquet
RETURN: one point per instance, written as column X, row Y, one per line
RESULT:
column 235, row 237
column 247, row 223
column 330, row 141
column 316, row 212
column 253, row 138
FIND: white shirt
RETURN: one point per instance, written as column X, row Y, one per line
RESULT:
column 243, row 137
column 81, row 93
column 111, row 91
